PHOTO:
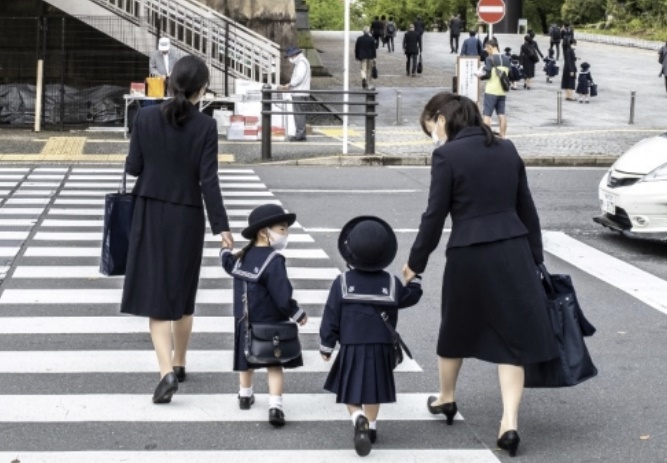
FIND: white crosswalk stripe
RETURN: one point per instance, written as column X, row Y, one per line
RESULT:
column 55, row 300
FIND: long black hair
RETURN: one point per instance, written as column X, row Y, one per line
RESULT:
column 459, row 112
column 189, row 76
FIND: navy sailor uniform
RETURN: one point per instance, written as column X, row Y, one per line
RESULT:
column 269, row 295
column 363, row 370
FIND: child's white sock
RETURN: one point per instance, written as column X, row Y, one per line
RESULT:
column 276, row 401
column 245, row 392
column 373, row 425
column 356, row 415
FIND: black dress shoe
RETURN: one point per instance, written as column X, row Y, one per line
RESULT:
column 180, row 374
column 297, row 138
column 448, row 409
column 362, row 438
column 165, row 389
column 373, row 434
column 276, row 417
column 509, row 441
column 246, row 402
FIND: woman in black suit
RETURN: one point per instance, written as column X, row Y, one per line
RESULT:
column 527, row 57
column 569, row 80
column 493, row 304
column 174, row 152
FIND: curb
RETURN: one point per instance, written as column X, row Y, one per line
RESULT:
column 381, row 160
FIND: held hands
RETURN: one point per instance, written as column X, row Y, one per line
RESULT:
column 303, row 320
column 227, row 240
column 325, row 357
column 408, row 274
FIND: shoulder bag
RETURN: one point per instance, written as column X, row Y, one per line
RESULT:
column 118, row 211
column 398, row 346
column 420, row 67
column 502, row 76
column 269, row 343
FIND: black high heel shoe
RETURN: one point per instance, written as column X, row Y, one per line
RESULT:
column 165, row 389
column 509, row 441
column 180, row 374
column 449, row 409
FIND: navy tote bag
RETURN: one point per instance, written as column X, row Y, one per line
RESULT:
column 118, row 210
column 574, row 364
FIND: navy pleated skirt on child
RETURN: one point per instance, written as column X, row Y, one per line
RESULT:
column 363, row 374
column 240, row 362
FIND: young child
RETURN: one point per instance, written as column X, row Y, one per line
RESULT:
column 584, row 80
column 362, row 376
column 269, row 296
column 550, row 66
column 508, row 52
column 516, row 73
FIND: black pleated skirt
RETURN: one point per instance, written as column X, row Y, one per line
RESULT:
column 165, row 254
column 363, row 374
column 240, row 362
column 493, row 305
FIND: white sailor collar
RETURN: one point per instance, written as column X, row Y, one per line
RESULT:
column 385, row 294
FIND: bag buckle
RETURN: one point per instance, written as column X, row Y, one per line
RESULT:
column 384, row 316
column 276, row 341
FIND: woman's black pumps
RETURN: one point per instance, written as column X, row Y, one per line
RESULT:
column 509, row 441
column 449, row 409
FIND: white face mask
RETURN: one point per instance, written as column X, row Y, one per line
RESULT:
column 292, row 59
column 276, row 240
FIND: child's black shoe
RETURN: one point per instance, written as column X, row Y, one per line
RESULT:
column 276, row 417
column 362, row 439
column 246, row 402
column 373, row 434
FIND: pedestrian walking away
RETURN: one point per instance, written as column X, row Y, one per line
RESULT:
column 472, row 46
column 300, row 81
column 516, row 71
column 377, row 29
column 361, row 315
column 584, row 82
column 494, row 93
column 365, row 53
column 383, row 38
column 412, row 49
column 550, row 66
column 662, row 59
column 534, row 43
column 262, row 293
column 455, row 25
column 391, row 34
column 419, row 29
column 554, row 39
column 493, row 304
column 567, row 35
column 569, row 77
column 174, row 153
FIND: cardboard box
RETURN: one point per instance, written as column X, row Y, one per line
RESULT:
column 138, row 89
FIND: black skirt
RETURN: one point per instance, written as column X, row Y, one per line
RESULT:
column 240, row 362
column 363, row 374
column 493, row 305
column 164, row 259
column 568, row 82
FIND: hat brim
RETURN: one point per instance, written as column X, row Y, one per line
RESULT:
column 250, row 231
column 384, row 261
column 292, row 53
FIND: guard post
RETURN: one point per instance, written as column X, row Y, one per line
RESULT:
column 370, row 121
column 266, row 122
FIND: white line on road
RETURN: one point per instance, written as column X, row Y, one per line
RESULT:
column 97, row 236
column 642, row 285
column 99, row 212
column 53, row 251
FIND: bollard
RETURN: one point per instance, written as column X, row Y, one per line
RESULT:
column 455, row 84
column 632, row 107
column 266, row 122
column 559, row 107
column 370, row 121
column 399, row 108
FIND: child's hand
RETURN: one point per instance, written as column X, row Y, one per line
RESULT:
column 326, row 358
column 227, row 240
column 303, row 320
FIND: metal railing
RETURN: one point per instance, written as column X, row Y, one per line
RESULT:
column 370, row 105
column 202, row 31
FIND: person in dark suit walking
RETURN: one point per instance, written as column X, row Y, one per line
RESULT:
column 412, row 49
column 420, row 28
column 174, row 154
column 365, row 52
column 662, row 59
column 493, row 304
column 472, row 46
column 377, row 29
column 454, row 33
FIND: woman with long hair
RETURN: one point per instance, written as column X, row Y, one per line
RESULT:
column 493, row 305
column 174, row 154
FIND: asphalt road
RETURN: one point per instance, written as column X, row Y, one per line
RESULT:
column 606, row 419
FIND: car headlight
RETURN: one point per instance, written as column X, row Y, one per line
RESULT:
column 656, row 175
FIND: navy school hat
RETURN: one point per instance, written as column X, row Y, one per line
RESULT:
column 264, row 216
column 292, row 51
column 368, row 243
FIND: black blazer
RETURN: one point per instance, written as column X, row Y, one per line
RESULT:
column 411, row 43
column 177, row 165
column 485, row 189
column 364, row 48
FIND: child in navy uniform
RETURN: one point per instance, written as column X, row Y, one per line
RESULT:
column 362, row 375
column 269, row 296
column 516, row 73
column 550, row 66
column 584, row 80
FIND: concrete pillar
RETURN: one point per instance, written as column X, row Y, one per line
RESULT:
column 513, row 11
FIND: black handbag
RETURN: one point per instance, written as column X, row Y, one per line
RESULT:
column 398, row 346
column 118, row 211
column 574, row 364
column 420, row 67
column 374, row 72
column 593, row 88
column 269, row 343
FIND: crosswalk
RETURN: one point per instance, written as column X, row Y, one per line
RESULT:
column 78, row 376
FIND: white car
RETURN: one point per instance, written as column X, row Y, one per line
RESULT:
column 633, row 194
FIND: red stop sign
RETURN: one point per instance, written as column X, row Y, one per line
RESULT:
column 491, row 11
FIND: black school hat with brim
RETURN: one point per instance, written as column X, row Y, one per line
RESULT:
column 368, row 243
column 266, row 216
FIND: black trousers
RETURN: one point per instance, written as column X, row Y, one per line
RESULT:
column 411, row 57
column 557, row 45
column 666, row 83
column 454, row 43
column 377, row 40
column 390, row 43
